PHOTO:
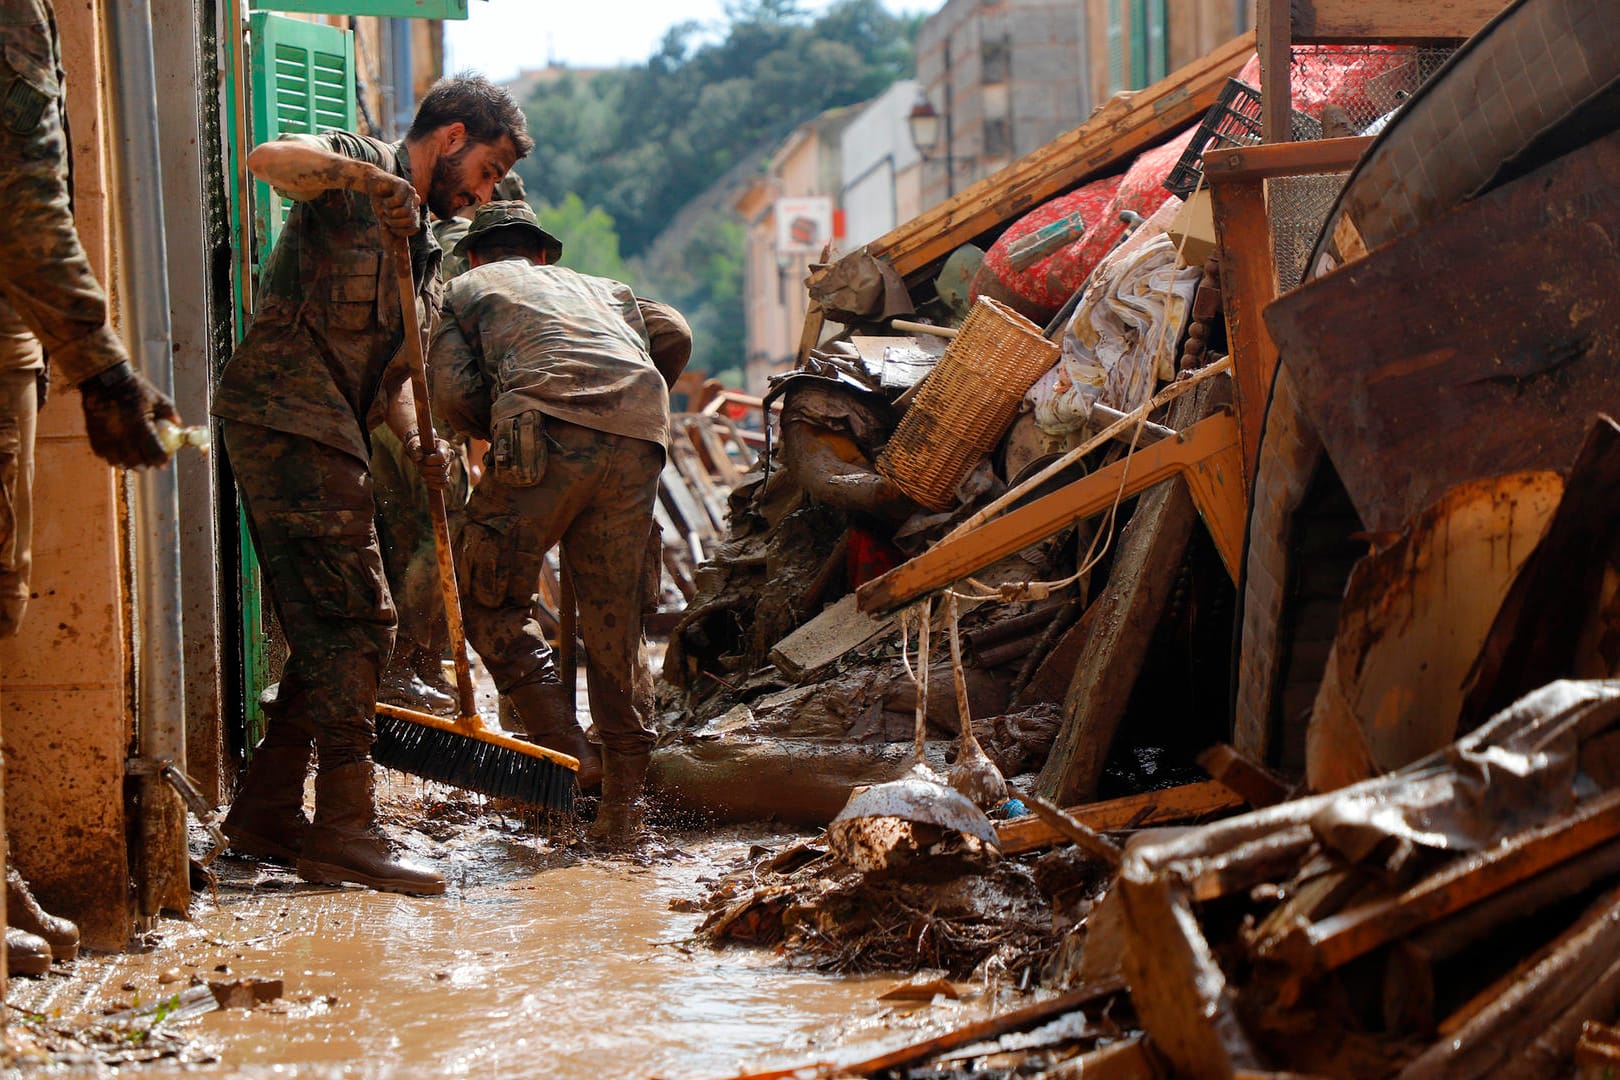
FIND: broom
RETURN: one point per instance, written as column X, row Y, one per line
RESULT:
column 461, row 752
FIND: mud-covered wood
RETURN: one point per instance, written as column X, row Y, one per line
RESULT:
column 1484, row 342
column 1129, row 607
column 1332, row 22
column 1258, row 785
column 1168, row 806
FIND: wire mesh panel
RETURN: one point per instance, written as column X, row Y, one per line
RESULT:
column 1369, row 83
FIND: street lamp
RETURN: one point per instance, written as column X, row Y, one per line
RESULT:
column 924, row 125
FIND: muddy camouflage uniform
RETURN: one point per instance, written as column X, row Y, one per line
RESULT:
column 325, row 341
column 50, row 301
column 552, row 367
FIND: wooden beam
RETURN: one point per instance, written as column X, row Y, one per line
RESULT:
column 1339, row 939
column 1271, row 160
column 955, row 558
column 1335, row 22
column 1248, row 284
column 1168, row 806
column 1275, row 45
column 1115, row 134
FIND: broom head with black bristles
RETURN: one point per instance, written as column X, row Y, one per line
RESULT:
column 464, row 753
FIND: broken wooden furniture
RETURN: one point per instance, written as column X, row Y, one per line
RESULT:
column 1341, row 914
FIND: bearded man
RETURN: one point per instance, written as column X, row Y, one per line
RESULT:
column 321, row 360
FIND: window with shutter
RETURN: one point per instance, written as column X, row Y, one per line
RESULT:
column 1150, row 52
column 303, row 83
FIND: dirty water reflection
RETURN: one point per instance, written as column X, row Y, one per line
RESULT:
column 535, row 963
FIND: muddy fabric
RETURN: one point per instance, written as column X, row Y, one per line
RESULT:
column 46, row 277
column 405, row 530
column 596, row 499
column 326, row 324
column 669, row 338
column 312, row 513
column 516, row 337
column 18, row 403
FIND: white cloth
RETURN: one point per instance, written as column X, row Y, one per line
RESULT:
column 1118, row 346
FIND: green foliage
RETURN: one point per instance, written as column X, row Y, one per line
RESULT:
column 590, row 241
column 619, row 154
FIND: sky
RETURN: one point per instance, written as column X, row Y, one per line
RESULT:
column 501, row 37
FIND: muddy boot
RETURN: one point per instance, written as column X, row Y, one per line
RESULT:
column 543, row 710
column 267, row 817
column 26, row 954
column 24, row 913
column 347, row 844
column 620, row 821
column 401, row 685
column 429, row 667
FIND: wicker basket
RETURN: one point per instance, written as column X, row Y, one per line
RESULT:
column 965, row 405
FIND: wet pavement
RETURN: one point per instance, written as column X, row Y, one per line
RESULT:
column 538, row 962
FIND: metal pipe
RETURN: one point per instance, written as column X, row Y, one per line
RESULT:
column 144, row 288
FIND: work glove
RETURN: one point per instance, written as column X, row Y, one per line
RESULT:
column 396, row 203
column 121, row 411
column 432, row 462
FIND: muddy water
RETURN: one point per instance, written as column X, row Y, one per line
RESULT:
column 535, row 964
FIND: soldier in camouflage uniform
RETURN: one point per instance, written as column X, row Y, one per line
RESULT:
column 51, row 307
column 324, row 347
column 415, row 674
column 553, row 368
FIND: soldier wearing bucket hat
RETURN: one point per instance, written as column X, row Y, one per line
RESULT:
column 554, row 369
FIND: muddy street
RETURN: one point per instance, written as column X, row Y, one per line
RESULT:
column 536, row 963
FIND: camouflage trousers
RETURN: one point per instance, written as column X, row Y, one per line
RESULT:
column 595, row 497
column 405, row 528
column 311, row 512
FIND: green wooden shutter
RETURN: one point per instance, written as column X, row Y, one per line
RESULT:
column 1116, row 46
column 303, row 83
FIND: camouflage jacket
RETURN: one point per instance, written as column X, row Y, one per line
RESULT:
column 514, row 336
column 47, row 286
column 326, row 324
column 447, row 233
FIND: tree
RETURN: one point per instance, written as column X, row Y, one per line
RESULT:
column 590, row 243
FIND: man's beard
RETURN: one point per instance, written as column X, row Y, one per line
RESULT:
column 442, row 188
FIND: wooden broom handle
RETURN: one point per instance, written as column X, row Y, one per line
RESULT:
column 466, row 705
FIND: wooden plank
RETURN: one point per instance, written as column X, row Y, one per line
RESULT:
column 1274, row 21
column 1017, row 1020
column 1341, row 938
column 962, row 554
column 1169, row 806
column 1349, row 22
column 1109, row 138
column 1493, row 347
column 831, row 634
column 1127, row 1059
column 1077, row 832
column 1258, row 785
column 1145, row 568
column 1248, row 284
column 1269, row 161
column 1179, row 991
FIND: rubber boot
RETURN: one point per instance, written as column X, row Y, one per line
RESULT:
column 346, row 844
column 24, row 913
column 429, row 667
column 267, row 818
column 400, row 685
column 543, row 710
column 26, row 954
column 621, row 819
